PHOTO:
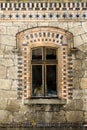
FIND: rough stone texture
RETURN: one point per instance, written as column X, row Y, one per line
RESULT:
column 5, row 116
column 18, row 117
column 12, row 30
column 8, row 52
column 84, row 37
column 80, row 55
column 84, row 64
column 59, row 24
column 85, row 75
column 3, row 103
column 70, row 112
column 59, row 116
column 77, row 65
column 14, row 85
column 2, row 71
column 83, row 47
column 7, row 62
column 78, row 41
column 79, row 104
column 78, row 94
column 2, row 48
column 12, row 72
column 85, row 114
column 85, row 104
column 70, row 106
column 73, row 24
column 13, row 106
column 76, row 105
column 84, row 25
column 77, row 30
column 8, row 40
column 2, row 30
column 8, row 94
column 74, row 116
column 5, row 84
column 76, row 83
column 84, row 83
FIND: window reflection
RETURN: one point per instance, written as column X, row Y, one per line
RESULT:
column 37, row 80
column 37, row 53
column 51, row 80
column 50, row 53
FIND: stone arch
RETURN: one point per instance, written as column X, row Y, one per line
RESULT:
column 44, row 36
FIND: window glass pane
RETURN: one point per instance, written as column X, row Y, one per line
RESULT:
column 50, row 53
column 37, row 53
column 51, row 80
column 37, row 80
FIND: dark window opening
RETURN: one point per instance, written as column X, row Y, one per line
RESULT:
column 44, row 72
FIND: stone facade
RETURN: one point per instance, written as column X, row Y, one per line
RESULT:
column 15, row 110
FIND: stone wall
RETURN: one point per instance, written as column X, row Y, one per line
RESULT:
column 11, row 109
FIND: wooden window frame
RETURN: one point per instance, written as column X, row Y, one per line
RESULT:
column 44, row 62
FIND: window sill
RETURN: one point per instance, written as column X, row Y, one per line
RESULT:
column 44, row 101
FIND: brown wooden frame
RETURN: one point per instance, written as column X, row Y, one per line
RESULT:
column 44, row 63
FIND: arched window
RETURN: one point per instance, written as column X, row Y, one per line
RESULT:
column 44, row 74
column 45, row 63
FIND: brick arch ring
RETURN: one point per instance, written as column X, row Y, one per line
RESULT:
column 44, row 36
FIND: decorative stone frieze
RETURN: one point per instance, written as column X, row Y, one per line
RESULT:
column 52, row 11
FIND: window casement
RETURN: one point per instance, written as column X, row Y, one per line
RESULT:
column 44, row 63
column 44, row 72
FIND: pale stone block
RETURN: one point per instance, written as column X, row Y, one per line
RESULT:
column 14, row 85
column 83, row 47
column 76, row 82
column 2, row 30
column 3, row 103
column 43, row 23
column 19, row 117
column 15, row 59
column 32, row 24
column 6, row 23
column 78, row 41
column 2, row 47
column 5, row 116
column 73, row 24
column 8, row 94
column 85, row 114
column 19, row 24
column 74, row 116
column 12, row 72
column 78, row 94
column 84, row 64
column 84, row 37
column 59, row 116
column 84, row 83
column 8, row 52
column 5, row 84
column 85, row 104
column 12, row 30
column 7, row 62
column 85, row 75
column 2, row 71
column 8, row 40
column 84, row 25
column 77, row 64
column 62, row 25
column 1, row 53
column 77, row 30
column 13, row 106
